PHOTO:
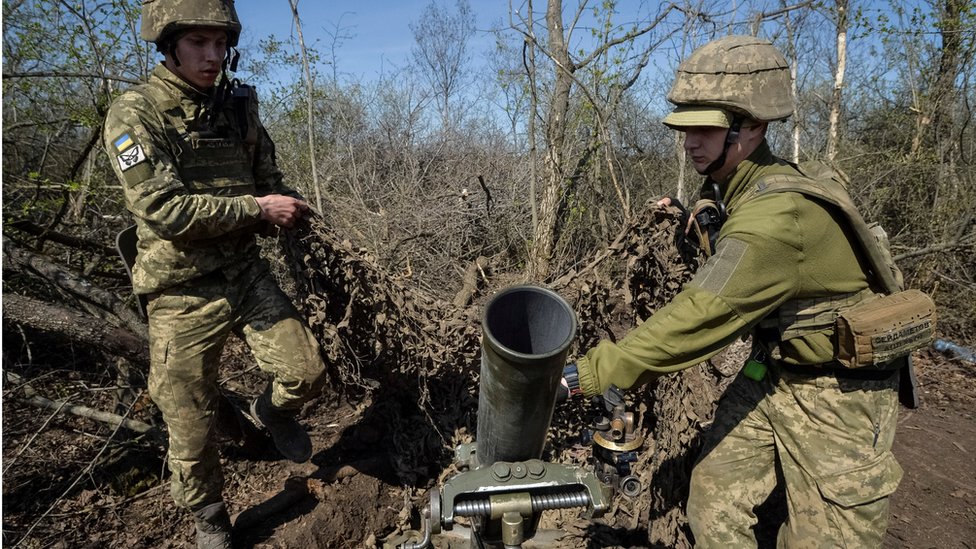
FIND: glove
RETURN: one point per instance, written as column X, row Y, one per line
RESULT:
column 569, row 384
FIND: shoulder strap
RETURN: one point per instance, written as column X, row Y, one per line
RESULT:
column 818, row 181
column 163, row 103
column 161, row 100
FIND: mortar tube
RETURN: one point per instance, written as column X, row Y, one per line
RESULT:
column 527, row 333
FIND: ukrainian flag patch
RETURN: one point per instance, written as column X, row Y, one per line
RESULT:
column 123, row 142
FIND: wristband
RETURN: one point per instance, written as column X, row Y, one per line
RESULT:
column 571, row 375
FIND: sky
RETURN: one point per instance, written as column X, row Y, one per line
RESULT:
column 379, row 35
column 376, row 36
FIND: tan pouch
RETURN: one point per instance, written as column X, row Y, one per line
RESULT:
column 883, row 329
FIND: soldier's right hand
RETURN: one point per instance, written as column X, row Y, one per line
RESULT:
column 281, row 210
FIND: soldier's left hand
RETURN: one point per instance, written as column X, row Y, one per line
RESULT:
column 281, row 210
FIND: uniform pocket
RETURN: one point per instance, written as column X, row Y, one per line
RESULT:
column 218, row 166
column 863, row 483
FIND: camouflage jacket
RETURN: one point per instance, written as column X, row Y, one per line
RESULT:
column 190, row 188
column 773, row 252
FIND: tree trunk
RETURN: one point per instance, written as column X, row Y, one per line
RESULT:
column 310, row 107
column 935, row 114
column 794, row 62
column 77, row 327
column 835, row 100
column 99, row 300
column 544, row 237
column 530, row 69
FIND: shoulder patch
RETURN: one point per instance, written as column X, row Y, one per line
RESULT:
column 719, row 269
column 130, row 157
column 123, row 142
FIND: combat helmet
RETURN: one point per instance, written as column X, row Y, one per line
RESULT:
column 161, row 18
column 733, row 76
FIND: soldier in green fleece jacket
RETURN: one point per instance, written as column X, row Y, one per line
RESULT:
column 780, row 267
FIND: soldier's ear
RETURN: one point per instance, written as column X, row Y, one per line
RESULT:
column 754, row 131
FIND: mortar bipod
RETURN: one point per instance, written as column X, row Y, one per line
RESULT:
column 505, row 500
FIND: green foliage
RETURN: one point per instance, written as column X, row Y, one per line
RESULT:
column 62, row 62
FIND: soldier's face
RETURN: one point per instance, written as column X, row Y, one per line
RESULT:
column 201, row 53
column 704, row 145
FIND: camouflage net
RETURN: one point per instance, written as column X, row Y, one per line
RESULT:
column 419, row 357
column 364, row 317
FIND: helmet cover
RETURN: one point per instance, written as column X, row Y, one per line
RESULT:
column 745, row 75
column 161, row 18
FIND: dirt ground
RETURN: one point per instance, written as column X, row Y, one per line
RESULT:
column 935, row 506
column 348, row 495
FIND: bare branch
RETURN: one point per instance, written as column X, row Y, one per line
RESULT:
column 34, row 229
column 783, row 10
column 627, row 37
column 935, row 249
column 101, row 416
column 52, row 74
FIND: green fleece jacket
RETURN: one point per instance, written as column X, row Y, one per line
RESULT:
column 773, row 249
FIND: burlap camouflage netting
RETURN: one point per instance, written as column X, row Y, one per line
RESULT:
column 367, row 320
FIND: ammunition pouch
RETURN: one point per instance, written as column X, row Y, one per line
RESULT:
column 875, row 332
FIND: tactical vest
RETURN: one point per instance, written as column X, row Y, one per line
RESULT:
column 216, row 161
column 817, row 181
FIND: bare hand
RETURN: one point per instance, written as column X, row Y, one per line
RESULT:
column 668, row 201
column 281, row 210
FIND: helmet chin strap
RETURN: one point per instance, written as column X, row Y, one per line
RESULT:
column 731, row 137
column 223, row 90
column 172, row 54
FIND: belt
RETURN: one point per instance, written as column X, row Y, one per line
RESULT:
column 840, row 372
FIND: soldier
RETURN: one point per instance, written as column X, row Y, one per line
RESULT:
column 199, row 175
column 782, row 264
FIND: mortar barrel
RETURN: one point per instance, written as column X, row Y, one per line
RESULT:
column 527, row 334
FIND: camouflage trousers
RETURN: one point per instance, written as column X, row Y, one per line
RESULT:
column 827, row 439
column 188, row 326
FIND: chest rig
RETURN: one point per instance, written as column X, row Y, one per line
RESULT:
column 213, row 144
column 817, row 181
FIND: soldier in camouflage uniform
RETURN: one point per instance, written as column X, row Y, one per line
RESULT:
column 199, row 175
column 783, row 265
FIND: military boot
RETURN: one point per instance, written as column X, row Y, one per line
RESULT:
column 213, row 527
column 289, row 436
